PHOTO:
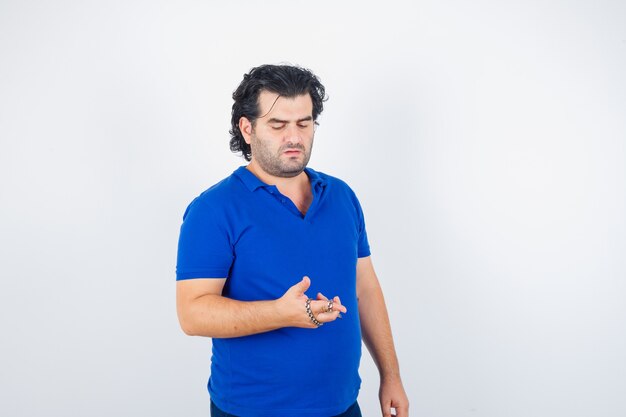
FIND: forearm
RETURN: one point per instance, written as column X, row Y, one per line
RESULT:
column 216, row 316
column 203, row 311
column 376, row 332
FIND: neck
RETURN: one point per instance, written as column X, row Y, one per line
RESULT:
column 286, row 185
column 297, row 189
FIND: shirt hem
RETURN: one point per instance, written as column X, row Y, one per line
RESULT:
column 284, row 412
column 209, row 273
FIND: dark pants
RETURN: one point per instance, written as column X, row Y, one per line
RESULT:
column 352, row 411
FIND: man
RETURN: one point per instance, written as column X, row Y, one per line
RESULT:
column 255, row 245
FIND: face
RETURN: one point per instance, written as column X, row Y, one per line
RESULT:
column 282, row 137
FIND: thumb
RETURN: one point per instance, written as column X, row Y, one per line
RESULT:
column 303, row 285
column 385, row 406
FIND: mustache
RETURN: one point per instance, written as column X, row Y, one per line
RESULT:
column 298, row 146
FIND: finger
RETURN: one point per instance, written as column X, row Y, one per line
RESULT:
column 327, row 317
column 402, row 411
column 338, row 306
column 385, row 407
column 303, row 285
column 319, row 306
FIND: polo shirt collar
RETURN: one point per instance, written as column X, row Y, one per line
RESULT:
column 249, row 179
column 252, row 182
column 315, row 178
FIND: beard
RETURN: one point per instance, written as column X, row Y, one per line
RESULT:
column 277, row 164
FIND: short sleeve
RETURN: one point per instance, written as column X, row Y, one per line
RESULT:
column 204, row 248
column 363, row 249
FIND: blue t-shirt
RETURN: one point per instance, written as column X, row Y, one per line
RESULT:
column 248, row 232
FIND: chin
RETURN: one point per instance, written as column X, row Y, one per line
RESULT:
column 290, row 174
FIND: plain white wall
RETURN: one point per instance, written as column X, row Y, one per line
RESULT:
column 485, row 139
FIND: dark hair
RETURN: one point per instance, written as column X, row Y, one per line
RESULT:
column 285, row 80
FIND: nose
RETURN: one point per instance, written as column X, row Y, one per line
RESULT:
column 293, row 134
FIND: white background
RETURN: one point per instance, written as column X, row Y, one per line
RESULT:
column 485, row 139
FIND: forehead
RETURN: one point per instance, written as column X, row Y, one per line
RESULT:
column 272, row 105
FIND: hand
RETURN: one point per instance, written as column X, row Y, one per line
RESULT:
column 336, row 301
column 293, row 303
column 391, row 394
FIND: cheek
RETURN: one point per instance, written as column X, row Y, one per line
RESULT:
column 266, row 145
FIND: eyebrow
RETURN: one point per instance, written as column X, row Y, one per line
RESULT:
column 304, row 119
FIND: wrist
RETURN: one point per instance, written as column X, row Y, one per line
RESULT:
column 390, row 376
column 277, row 309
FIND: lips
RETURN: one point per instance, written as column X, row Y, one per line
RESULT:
column 292, row 152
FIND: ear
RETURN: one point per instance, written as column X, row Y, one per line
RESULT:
column 246, row 128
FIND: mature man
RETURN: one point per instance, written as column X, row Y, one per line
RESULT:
column 255, row 244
